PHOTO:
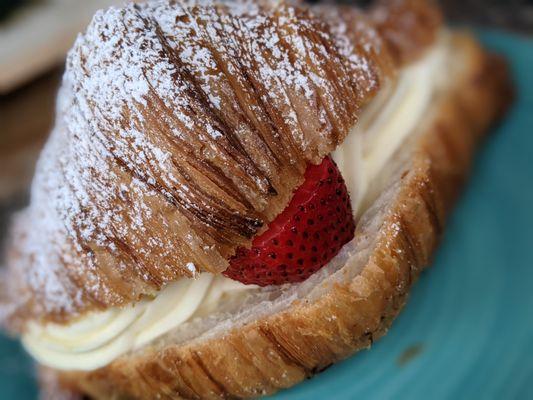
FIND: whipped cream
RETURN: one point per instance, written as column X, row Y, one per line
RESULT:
column 100, row 337
column 386, row 122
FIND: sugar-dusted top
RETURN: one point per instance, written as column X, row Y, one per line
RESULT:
column 182, row 129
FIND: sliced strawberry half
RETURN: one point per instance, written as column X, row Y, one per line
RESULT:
column 304, row 237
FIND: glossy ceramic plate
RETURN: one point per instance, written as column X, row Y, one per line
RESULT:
column 467, row 331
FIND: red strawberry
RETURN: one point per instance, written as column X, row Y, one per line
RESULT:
column 304, row 237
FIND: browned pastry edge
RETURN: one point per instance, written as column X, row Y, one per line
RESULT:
column 407, row 33
column 285, row 348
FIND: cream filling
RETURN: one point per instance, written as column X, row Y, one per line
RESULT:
column 100, row 337
column 386, row 123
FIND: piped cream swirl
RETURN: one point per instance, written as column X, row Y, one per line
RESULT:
column 100, row 337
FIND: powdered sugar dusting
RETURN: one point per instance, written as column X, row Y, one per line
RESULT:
column 182, row 127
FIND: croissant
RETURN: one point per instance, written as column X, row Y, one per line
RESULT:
column 185, row 132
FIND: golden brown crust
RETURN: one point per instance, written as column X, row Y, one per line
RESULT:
column 284, row 348
column 182, row 130
column 407, row 26
column 357, row 33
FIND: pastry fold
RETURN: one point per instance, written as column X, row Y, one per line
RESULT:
column 182, row 130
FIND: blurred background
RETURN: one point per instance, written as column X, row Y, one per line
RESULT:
column 34, row 38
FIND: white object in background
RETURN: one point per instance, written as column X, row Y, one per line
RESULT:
column 37, row 37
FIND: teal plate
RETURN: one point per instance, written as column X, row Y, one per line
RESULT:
column 467, row 331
